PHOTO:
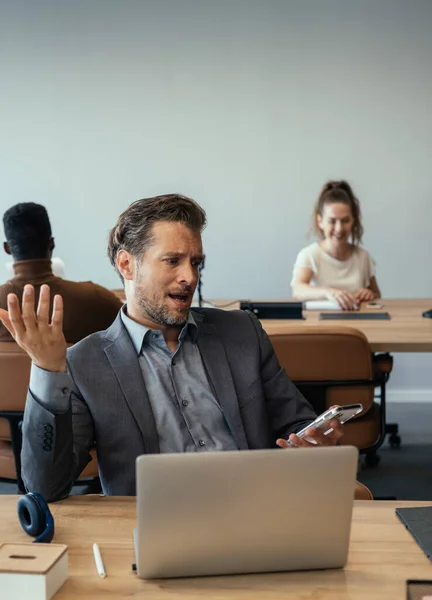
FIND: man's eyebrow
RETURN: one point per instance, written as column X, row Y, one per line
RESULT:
column 179, row 254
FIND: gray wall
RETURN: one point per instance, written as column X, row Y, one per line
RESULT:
column 246, row 105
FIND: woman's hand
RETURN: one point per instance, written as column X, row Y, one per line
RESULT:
column 345, row 300
column 364, row 295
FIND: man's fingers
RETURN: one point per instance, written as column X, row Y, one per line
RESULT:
column 319, row 438
column 317, row 435
column 57, row 316
column 28, row 311
column 43, row 306
column 15, row 317
column 4, row 318
column 299, row 442
column 337, row 432
column 4, row 315
column 334, row 437
column 283, row 443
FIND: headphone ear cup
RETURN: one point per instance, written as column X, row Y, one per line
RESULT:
column 31, row 515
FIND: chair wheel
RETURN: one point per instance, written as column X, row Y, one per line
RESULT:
column 395, row 440
column 372, row 460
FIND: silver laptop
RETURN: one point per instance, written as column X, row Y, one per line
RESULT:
column 244, row 512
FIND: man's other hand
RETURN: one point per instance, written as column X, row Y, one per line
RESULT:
column 43, row 340
column 318, row 438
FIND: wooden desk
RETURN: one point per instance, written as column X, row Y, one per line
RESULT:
column 406, row 331
column 382, row 556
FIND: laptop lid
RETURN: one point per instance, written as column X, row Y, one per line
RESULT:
column 244, row 512
column 418, row 521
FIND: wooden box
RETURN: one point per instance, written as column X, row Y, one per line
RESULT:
column 32, row 571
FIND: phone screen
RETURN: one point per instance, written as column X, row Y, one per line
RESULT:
column 419, row 590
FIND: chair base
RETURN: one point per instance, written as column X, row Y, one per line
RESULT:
column 392, row 429
column 371, row 459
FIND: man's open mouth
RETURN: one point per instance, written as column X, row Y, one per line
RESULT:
column 180, row 299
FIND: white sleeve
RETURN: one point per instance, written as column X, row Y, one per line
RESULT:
column 304, row 260
column 370, row 269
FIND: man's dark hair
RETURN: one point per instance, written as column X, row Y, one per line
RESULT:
column 28, row 231
column 133, row 230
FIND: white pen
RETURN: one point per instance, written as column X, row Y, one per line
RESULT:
column 99, row 562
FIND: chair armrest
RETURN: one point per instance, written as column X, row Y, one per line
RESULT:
column 362, row 492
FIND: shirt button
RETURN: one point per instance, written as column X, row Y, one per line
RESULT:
column 185, row 402
column 201, row 443
column 173, row 363
column 65, row 391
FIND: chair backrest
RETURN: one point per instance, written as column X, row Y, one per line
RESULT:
column 15, row 367
column 120, row 293
column 321, row 355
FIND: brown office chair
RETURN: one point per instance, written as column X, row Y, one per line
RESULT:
column 14, row 380
column 333, row 365
column 120, row 293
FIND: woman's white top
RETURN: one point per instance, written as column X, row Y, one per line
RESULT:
column 349, row 275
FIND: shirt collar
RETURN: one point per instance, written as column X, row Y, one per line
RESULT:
column 138, row 332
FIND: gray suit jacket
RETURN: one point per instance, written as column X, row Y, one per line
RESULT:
column 108, row 403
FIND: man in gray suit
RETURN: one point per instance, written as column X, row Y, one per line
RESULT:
column 162, row 378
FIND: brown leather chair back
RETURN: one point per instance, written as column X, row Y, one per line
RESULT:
column 325, row 354
column 14, row 380
column 15, row 367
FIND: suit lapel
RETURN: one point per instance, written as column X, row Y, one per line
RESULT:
column 219, row 374
column 124, row 361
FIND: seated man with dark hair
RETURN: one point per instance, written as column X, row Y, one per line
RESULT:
column 87, row 307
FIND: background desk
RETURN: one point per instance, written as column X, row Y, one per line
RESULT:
column 382, row 556
column 407, row 330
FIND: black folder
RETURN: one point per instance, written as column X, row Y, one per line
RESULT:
column 274, row 310
column 418, row 521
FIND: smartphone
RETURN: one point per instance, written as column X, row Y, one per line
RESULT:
column 374, row 305
column 418, row 589
column 341, row 413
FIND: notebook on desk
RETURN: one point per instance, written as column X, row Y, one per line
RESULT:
column 211, row 513
column 322, row 305
column 355, row 316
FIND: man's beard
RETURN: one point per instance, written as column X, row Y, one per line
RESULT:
column 160, row 314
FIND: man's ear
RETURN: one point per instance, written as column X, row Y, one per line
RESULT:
column 51, row 244
column 6, row 248
column 125, row 264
